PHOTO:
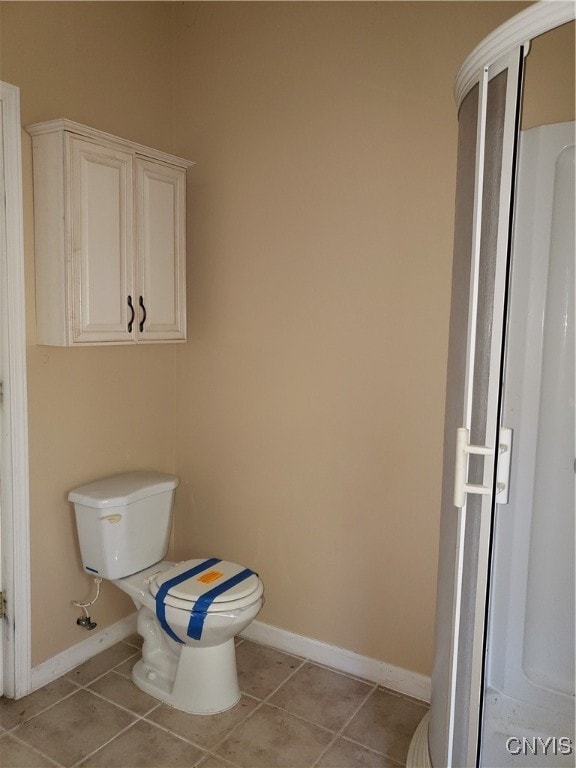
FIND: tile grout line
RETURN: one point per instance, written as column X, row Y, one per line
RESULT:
column 337, row 734
column 259, row 706
column 103, row 674
column 144, row 717
column 138, row 717
column 225, row 760
column 165, row 728
column 77, row 688
column 299, row 661
column 290, row 676
column 104, row 744
column 128, row 711
column 342, row 674
column 80, row 687
column 346, row 723
column 359, row 743
column 42, row 711
column 32, row 748
column 211, row 751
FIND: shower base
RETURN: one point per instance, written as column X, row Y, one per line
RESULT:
column 508, row 721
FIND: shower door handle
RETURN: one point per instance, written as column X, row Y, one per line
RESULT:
column 464, row 449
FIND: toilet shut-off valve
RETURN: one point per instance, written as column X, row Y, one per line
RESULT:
column 85, row 621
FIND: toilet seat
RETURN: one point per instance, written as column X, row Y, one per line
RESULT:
column 220, row 607
column 184, row 594
column 198, row 589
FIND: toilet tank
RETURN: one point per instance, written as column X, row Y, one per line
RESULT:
column 123, row 522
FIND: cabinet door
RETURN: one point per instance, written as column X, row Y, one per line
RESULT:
column 102, row 243
column 160, row 239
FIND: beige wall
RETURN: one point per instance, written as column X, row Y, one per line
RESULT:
column 549, row 86
column 311, row 393
column 305, row 414
column 92, row 411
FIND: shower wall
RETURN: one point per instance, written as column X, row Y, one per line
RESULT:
column 530, row 675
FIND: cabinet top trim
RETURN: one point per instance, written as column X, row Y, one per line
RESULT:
column 63, row 124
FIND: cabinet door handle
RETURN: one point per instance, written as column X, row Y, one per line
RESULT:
column 132, row 316
column 141, row 303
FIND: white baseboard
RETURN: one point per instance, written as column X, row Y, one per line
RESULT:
column 98, row 641
column 387, row 675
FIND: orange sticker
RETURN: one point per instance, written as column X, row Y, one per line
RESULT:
column 208, row 578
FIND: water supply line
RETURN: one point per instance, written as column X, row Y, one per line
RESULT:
column 85, row 621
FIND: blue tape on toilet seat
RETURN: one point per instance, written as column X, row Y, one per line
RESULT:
column 165, row 588
column 200, row 609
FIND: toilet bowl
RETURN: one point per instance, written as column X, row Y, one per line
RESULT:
column 188, row 612
column 191, row 669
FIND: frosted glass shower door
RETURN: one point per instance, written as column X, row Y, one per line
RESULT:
column 488, row 132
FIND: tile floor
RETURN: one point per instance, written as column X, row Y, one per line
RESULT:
column 292, row 714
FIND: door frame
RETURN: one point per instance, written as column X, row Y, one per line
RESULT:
column 14, row 467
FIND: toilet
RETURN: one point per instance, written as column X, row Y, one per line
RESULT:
column 188, row 612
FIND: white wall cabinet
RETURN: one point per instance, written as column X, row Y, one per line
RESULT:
column 110, row 238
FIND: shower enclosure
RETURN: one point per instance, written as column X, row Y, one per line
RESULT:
column 531, row 619
column 503, row 677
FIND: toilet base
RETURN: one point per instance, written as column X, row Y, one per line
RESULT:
column 205, row 681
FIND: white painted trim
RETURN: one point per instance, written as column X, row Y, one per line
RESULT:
column 96, row 643
column 15, row 480
column 397, row 679
column 525, row 26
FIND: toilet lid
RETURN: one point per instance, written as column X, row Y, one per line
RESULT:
column 216, row 573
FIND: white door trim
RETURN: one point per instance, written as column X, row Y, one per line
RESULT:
column 16, row 627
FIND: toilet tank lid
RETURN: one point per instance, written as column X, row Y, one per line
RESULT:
column 121, row 489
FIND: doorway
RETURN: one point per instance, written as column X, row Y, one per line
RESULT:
column 15, row 634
